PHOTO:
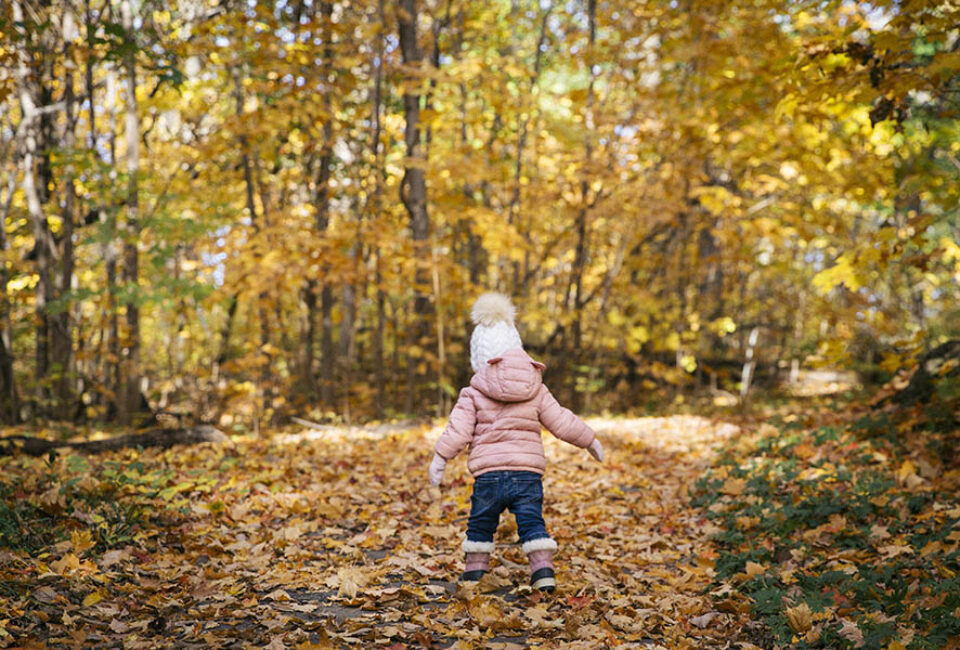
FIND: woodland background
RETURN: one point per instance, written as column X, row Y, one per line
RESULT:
column 237, row 211
column 272, row 217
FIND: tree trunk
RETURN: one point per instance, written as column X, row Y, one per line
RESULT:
column 257, row 221
column 413, row 194
column 471, row 248
column 91, row 367
column 61, row 334
column 442, row 408
column 111, row 253
column 580, row 255
column 130, row 401
column 9, row 406
column 308, row 334
column 441, row 404
column 327, row 350
column 381, row 378
column 514, row 214
column 710, row 295
column 32, row 144
column 224, row 354
column 322, row 209
column 348, row 319
column 155, row 438
column 749, row 365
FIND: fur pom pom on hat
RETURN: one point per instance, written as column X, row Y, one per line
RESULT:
column 492, row 308
column 495, row 332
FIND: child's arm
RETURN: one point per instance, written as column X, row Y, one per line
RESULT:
column 456, row 436
column 564, row 424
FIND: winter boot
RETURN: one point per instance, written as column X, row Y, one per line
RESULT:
column 540, row 554
column 477, row 560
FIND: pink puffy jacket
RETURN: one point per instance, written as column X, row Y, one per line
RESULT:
column 499, row 417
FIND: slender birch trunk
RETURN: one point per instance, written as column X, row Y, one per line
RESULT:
column 31, row 145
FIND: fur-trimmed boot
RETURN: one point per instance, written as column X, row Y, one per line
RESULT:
column 477, row 560
column 540, row 554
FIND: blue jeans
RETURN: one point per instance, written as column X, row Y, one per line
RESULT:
column 494, row 492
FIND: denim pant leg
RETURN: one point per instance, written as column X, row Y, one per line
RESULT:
column 527, row 507
column 486, row 504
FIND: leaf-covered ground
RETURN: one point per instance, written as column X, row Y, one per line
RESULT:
column 800, row 531
column 334, row 538
column 842, row 533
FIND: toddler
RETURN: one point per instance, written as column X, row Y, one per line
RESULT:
column 499, row 418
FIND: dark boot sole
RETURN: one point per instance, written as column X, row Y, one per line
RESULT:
column 471, row 576
column 543, row 580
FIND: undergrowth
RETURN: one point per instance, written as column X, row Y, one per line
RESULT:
column 843, row 536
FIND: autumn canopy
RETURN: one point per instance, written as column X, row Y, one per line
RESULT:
column 260, row 209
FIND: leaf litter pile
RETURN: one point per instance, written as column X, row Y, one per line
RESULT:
column 810, row 533
column 335, row 539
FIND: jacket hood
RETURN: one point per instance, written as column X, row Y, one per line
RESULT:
column 511, row 377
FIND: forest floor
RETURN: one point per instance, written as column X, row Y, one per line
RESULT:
column 810, row 529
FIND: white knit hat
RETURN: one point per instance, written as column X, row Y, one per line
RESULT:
column 494, row 333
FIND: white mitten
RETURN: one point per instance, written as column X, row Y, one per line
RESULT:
column 437, row 465
column 596, row 450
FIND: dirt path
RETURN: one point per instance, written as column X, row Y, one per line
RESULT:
column 336, row 540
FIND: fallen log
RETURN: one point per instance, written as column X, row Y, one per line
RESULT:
column 154, row 438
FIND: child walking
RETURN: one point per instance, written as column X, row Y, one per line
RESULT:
column 499, row 416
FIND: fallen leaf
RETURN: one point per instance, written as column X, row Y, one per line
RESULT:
column 894, row 550
column 277, row 594
column 734, row 486
column 82, row 541
column 850, row 632
column 800, row 618
column 113, row 557
column 907, row 475
column 879, row 533
column 119, row 626
column 277, row 643
column 45, row 594
column 704, row 620
column 66, row 565
column 92, row 598
column 754, row 569
column 490, row 581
